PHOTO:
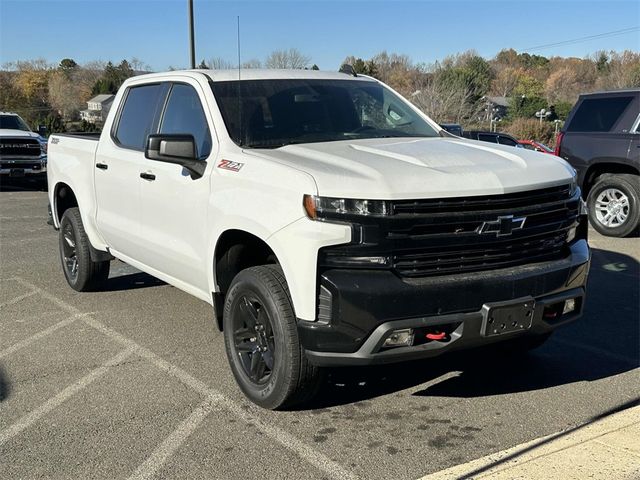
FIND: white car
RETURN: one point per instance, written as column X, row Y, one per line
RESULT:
column 325, row 218
column 22, row 152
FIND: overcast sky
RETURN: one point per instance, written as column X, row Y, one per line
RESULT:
column 155, row 31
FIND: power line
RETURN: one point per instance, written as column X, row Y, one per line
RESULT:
column 613, row 33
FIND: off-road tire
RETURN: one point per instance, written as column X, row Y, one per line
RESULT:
column 87, row 275
column 292, row 380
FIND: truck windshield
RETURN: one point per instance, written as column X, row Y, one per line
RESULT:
column 274, row 113
column 13, row 122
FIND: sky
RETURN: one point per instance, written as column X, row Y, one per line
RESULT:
column 156, row 31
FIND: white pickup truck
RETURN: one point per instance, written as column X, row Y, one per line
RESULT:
column 326, row 219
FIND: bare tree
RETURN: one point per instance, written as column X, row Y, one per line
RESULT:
column 218, row 63
column 253, row 63
column 446, row 101
column 291, row 58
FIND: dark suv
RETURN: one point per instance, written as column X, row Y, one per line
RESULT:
column 601, row 140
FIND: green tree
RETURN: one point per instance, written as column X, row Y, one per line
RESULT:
column 203, row 65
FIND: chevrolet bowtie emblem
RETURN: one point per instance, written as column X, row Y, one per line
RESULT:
column 503, row 225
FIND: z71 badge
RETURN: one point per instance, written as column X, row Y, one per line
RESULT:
column 229, row 165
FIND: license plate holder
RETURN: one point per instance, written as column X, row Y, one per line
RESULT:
column 507, row 317
column 16, row 172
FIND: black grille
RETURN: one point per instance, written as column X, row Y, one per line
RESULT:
column 447, row 234
column 19, row 147
column 508, row 253
column 460, row 235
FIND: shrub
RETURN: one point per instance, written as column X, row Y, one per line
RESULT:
column 530, row 129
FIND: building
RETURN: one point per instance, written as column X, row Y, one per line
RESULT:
column 97, row 108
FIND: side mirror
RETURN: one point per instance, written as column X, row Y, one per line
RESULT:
column 179, row 149
column 42, row 130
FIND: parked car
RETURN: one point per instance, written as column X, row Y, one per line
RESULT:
column 536, row 146
column 22, row 152
column 326, row 219
column 454, row 128
column 492, row 137
column 601, row 140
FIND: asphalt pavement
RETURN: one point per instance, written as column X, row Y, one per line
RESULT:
column 133, row 382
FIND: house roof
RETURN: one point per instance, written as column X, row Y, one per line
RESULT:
column 501, row 101
column 102, row 98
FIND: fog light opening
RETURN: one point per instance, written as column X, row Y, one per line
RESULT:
column 569, row 306
column 399, row 338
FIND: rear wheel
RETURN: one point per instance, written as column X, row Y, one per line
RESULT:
column 614, row 204
column 82, row 273
column 261, row 340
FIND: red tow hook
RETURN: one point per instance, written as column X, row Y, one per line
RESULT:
column 439, row 336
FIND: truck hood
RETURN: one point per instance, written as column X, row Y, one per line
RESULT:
column 405, row 168
column 8, row 132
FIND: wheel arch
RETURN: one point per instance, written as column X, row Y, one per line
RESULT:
column 234, row 251
column 601, row 168
column 63, row 198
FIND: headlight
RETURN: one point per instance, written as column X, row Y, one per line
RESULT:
column 321, row 207
column 573, row 186
column 43, row 148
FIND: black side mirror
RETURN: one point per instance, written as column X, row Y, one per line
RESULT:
column 42, row 130
column 179, row 149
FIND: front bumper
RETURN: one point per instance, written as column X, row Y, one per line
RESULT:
column 365, row 306
column 22, row 168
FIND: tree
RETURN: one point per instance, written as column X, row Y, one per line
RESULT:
column 562, row 86
column 315, row 67
column 291, row 58
column 506, row 81
column 218, row 63
column 253, row 63
column 67, row 65
column 66, row 96
column 203, row 65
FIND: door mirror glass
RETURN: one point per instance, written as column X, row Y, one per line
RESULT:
column 178, row 149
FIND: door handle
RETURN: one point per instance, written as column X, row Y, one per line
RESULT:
column 102, row 166
column 148, row 176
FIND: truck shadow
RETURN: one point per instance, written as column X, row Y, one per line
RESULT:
column 23, row 185
column 131, row 281
column 603, row 343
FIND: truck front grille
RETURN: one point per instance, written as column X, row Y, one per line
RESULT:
column 425, row 238
column 19, row 147
column 482, row 233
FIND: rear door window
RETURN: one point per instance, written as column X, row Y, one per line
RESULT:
column 598, row 114
column 488, row 138
column 139, row 115
column 184, row 114
column 507, row 141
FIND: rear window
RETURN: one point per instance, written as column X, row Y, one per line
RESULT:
column 598, row 114
column 139, row 114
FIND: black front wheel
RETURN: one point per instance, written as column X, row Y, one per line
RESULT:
column 82, row 273
column 261, row 340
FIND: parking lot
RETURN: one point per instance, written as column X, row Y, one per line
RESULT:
column 133, row 382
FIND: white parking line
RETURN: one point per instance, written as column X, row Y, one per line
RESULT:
column 33, row 416
column 304, row 451
column 17, row 299
column 170, row 444
column 42, row 333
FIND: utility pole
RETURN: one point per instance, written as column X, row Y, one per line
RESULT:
column 192, row 48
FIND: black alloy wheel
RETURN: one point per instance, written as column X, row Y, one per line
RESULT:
column 253, row 339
